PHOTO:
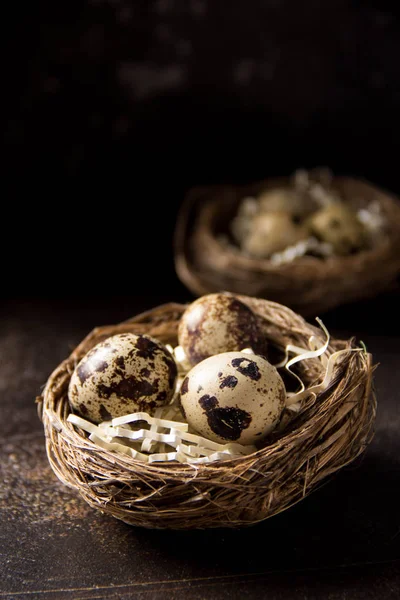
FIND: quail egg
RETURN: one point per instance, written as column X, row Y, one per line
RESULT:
column 241, row 223
column 123, row 374
column 216, row 323
column 272, row 232
column 337, row 224
column 286, row 200
column 233, row 396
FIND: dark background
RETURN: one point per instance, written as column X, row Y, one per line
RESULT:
column 135, row 102
column 112, row 111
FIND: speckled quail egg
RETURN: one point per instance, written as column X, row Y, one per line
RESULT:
column 337, row 224
column 216, row 323
column 241, row 223
column 286, row 200
column 233, row 397
column 272, row 232
column 123, row 374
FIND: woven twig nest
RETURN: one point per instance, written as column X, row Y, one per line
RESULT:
column 310, row 285
column 331, row 429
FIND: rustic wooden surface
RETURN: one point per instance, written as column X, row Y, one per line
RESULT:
column 341, row 542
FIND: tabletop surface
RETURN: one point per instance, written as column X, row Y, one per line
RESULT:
column 342, row 541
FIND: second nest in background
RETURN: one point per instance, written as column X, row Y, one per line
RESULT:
column 312, row 240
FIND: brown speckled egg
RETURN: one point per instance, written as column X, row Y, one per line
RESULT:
column 233, row 397
column 272, row 232
column 216, row 323
column 337, row 224
column 125, row 373
column 286, row 200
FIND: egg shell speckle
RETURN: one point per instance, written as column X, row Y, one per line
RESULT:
column 337, row 224
column 123, row 374
column 233, row 396
column 216, row 323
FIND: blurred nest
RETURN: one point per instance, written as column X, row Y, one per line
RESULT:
column 332, row 428
column 217, row 247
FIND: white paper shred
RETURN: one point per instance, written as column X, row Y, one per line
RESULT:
column 294, row 398
column 301, row 248
column 143, row 444
column 372, row 218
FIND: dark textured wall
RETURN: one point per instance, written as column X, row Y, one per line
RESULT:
column 140, row 100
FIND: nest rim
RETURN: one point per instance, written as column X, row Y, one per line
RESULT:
column 106, row 480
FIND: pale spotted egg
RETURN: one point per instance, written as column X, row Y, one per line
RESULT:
column 233, row 397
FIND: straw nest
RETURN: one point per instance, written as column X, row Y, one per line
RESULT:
column 309, row 285
column 332, row 428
